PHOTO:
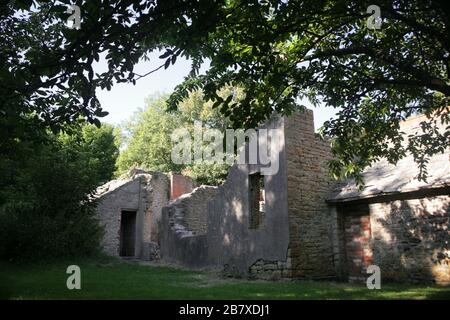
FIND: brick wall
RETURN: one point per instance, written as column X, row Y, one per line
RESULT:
column 357, row 246
column 180, row 185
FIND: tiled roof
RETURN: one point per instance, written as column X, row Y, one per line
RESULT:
column 384, row 178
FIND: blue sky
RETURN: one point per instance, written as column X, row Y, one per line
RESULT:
column 125, row 98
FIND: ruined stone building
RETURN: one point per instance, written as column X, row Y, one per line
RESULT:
column 297, row 223
column 129, row 209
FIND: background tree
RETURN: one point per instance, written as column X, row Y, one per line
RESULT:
column 147, row 138
column 148, row 141
column 46, row 205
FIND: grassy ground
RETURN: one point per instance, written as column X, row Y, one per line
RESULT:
column 112, row 279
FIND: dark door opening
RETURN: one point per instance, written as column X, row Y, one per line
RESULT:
column 127, row 233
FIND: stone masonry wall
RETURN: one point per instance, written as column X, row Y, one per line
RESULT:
column 142, row 192
column 293, row 239
column 183, row 228
column 271, row 270
column 308, row 184
column 155, row 195
column 109, row 212
column 411, row 239
column 237, row 247
column 337, row 233
column 194, row 209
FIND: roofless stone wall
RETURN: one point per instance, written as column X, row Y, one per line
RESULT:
column 298, row 234
column 193, row 209
column 183, row 228
column 109, row 212
column 308, row 184
column 236, row 245
column 291, row 238
column 141, row 192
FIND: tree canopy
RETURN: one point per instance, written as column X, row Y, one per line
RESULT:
column 46, row 207
column 280, row 52
column 277, row 51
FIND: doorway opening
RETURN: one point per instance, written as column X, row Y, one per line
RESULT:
column 127, row 233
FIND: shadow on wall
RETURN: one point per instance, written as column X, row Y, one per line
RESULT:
column 183, row 227
column 411, row 239
column 241, row 231
column 229, row 241
column 234, row 242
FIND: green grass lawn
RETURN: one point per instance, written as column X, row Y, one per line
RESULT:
column 113, row 279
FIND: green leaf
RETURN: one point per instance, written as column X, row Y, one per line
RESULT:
column 167, row 63
column 166, row 54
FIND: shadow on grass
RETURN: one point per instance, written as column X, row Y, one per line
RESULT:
column 115, row 279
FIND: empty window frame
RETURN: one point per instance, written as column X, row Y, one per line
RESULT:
column 256, row 200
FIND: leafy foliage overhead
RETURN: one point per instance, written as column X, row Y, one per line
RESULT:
column 277, row 51
column 323, row 51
